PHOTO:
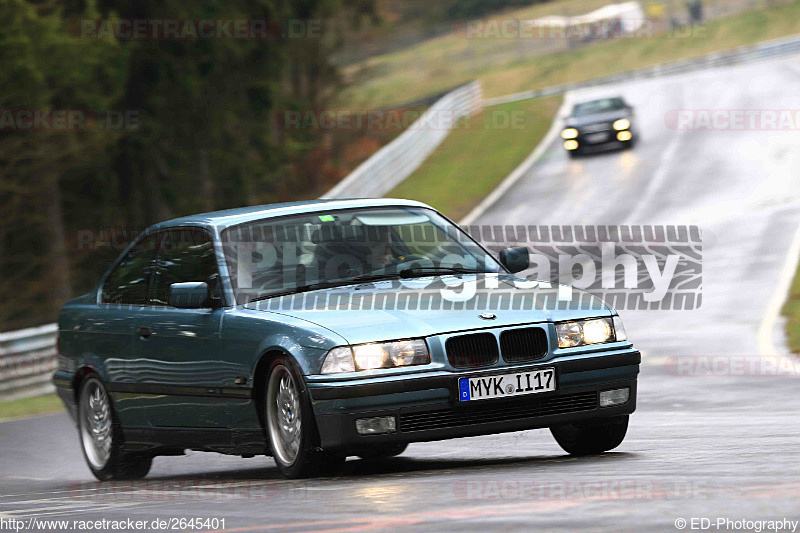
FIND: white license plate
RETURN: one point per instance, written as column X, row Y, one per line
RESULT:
column 506, row 385
column 597, row 137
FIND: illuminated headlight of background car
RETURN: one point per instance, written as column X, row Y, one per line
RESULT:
column 569, row 133
column 594, row 331
column 622, row 124
column 376, row 355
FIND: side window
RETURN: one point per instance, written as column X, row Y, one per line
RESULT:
column 127, row 283
column 187, row 254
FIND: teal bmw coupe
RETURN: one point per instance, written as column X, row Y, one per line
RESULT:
column 314, row 331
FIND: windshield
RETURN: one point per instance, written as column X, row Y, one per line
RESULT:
column 315, row 250
column 597, row 106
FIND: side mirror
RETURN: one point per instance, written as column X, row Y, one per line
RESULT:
column 515, row 259
column 189, row 295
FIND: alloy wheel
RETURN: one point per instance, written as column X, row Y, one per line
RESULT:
column 283, row 415
column 96, row 424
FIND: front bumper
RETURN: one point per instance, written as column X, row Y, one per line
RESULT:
column 587, row 143
column 427, row 407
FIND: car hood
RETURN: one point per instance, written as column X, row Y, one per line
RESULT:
column 610, row 116
column 422, row 307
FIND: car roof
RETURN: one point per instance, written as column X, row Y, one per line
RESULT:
column 232, row 217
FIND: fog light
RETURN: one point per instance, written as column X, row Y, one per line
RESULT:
column 375, row 425
column 571, row 145
column 614, row 397
column 624, row 136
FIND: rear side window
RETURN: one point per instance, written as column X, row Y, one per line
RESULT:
column 127, row 283
column 187, row 254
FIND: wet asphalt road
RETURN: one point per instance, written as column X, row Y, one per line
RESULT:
column 699, row 446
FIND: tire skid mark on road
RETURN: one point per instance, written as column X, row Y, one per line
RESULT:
column 45, row 492
column 104, row 487
column 408, row 519
column 72, row 508
column 149, row 493
column 772, row 490
column 452, row 514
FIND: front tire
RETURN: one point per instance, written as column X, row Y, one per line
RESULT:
column 591, row 437
column 291, row 428
column 101, row 436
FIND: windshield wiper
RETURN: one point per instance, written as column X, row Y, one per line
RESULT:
column 327, row 285
column 425, row 271
column 405, row 273
column 298, row 289
column 373, row 277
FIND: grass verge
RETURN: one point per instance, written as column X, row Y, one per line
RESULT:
column 436, row 65
column 478, row 155
column 37, row 405
column 791, row 310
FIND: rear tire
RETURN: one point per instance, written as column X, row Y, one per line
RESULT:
column 291, row 428
column 101, row 436
column 591, row 437
column 384, row 451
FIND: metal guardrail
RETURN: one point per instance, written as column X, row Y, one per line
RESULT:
column 743, row 54
column 400, row 158
column 27, row 357
column 27, row 361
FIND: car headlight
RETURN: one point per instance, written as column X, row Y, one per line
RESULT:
column 376, row 355
column 593, row 331
column 569, row 133
column 622, row 124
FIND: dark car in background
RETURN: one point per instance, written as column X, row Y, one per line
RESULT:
column 597, row 125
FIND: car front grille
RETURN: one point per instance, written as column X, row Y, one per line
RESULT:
column 487, row 411
column 480, row 349
column 527, row 344
column 591, row 128
column 474, row 350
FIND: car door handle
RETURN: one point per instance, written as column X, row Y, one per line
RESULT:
column 143, row 331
